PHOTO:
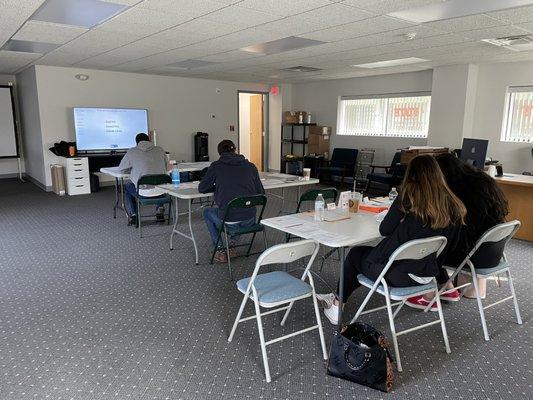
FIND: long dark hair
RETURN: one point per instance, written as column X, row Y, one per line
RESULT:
column 477, row 190
column 425, row 194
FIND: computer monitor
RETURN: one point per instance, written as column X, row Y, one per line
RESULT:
column 474, row 152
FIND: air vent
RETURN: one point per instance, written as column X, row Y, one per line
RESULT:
column 301, row 68
column 515, row 43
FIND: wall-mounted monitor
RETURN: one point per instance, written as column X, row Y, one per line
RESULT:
column 108, row 129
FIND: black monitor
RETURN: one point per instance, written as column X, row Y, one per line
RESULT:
column 474, row 152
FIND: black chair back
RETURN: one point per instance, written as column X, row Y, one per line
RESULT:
column 344, row 158
column 396, row 168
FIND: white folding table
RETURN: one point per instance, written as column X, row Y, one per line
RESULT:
column 361, row 228
column 120, row 176
column 189, row 191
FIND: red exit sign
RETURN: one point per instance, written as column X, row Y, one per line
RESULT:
column 526, row 110
column 407, row 111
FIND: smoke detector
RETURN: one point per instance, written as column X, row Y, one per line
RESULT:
column 409, row 35
column 514, row 43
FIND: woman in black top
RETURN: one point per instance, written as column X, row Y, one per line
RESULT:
column 426, row 207
column 486, row 207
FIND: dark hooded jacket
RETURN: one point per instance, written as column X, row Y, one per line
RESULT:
column 231, row 176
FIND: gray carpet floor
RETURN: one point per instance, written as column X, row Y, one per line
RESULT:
column 90, row 311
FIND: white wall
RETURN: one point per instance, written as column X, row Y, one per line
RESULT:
column 321, row 98
column 178, row 107
column 32, row 142
column 493, row 80
column 8, row 166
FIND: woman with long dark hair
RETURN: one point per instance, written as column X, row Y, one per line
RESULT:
column 425, row 207
column 486, row 207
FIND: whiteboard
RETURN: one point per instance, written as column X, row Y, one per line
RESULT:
column 8, row 133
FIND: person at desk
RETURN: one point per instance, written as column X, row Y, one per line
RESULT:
column 143, row 159
column 231, row 176
column 426, row 207
column 486, row 207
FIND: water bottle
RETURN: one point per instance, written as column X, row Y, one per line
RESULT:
column 319, row 207
column 175, row 175
column 393, row 194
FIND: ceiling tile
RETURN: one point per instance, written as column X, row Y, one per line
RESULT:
column 514, row 15
column 335, row 14
column 495, row 32
column 191, row 9
column 234, row 55
column 283, row 7
column 48, row 32
column 11, row 61
column 239, row 16
column 124, row 2
column 14, row 13
column 468, row 23
column 388, row 6
column 61, row 58
column 291, row 26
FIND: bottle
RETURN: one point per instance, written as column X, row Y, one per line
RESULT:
column 319, row 207
column 175, row 175
column 309, row 118
column 393, row 194
column 301, row 118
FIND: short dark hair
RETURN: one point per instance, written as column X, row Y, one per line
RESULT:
column 226, row 146
column 141, row 137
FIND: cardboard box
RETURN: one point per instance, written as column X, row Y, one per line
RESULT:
column 409, row 154
column 291, row 117
column 317, row 144
column 58, row 179
column 320, row 130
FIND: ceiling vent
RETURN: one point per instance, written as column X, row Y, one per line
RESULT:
column 515, row 43
column 302, row 68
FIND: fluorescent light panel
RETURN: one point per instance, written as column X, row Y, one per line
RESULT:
column 391, row 63
column 29, row 47
column 86, row 13
column 281, row 45
column 456, row 8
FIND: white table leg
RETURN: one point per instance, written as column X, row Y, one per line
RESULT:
column 175, row 228
column 341, row 288
column 192, row 234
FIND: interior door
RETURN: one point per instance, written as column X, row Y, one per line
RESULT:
column 256, row 131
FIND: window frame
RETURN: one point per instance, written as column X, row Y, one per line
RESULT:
column 505, row 135
column 385, row 116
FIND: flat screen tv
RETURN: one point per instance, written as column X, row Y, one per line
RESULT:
column 108, row 129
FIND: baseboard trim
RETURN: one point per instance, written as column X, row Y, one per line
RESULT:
column 9, row 176
column 38, row 184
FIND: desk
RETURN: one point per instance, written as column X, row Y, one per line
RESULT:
column 360, row 228
column 189, row 191
column 519, row 192
column 121, row 176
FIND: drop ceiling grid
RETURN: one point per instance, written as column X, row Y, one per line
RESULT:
column 167, row 31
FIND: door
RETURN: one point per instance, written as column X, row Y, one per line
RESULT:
column 256, row 131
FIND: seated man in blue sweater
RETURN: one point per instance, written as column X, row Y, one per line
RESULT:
column 230, row 177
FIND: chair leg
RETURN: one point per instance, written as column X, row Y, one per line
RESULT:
column 139, row 213
column 515, row 301
column 393, row 331
column 239, row 314
column 265, row 239
column 169, row 212
column 251, row 243
column 262, row 340
column 319, row 323
column 442, row 323
column 480, row 305
column 219, row 238
column 362, row 307
column 226, row 237
column 287, row 313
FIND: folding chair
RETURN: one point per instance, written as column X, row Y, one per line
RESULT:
column 229, row 229
column 502, row 233
column 412, row 250
column 158, row 201
column 279, row 288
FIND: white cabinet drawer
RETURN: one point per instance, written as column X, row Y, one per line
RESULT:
column 77, row 162
column 77, row 173
column 79, row 189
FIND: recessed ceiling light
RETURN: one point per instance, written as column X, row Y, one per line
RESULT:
column 29, row 47
column 301, row 68
column 86, row 13
column 392, row 63
column 281, row 45
column 515, row 43
column 190, row 64
column 455, row 8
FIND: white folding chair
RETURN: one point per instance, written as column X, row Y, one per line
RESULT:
column 501, row 232
column 278, row 288
column 412, row 250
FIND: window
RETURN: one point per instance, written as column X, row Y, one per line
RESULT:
column 518, row 121
column 403, row 115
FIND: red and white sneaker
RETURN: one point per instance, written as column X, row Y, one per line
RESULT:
column 420, row 303
column 451, row 296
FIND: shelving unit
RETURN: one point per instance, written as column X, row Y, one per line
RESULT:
column 288, row 143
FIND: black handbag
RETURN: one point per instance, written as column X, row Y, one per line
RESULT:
column 361, row 354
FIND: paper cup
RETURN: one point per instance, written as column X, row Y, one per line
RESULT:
column 307, row 173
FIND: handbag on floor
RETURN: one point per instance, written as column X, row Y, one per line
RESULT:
column 361, row 354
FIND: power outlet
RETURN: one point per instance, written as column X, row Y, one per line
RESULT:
column 213, row 116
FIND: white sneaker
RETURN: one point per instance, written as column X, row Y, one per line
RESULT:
column 326, row 299
column 332, row 313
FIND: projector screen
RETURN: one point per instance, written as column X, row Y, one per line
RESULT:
column 108, row 128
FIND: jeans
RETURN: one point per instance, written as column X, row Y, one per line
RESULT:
column 130, row 198
column 213, row 222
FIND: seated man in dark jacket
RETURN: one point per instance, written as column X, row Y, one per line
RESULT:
column 230, row 177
